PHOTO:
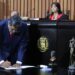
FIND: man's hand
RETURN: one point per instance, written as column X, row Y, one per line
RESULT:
column 16, row 65
column 5, row 64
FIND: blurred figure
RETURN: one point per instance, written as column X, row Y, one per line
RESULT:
column 56, row 13
column 52, row 58
column 13, row 41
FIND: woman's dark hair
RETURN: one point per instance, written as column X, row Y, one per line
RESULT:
column 58, row 6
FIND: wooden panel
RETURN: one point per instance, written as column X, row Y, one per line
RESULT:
column 15, row 5
column 12, row 5
column 47, row 7
column 5, row 11
column 58, row 0
column 72, row 9
column 65, row 5
column 29, row 8
column 1, row 8
column 40, row 8
column 22, row 6
column 19, row 6
column 62, row 4
column 43, row 8
column 54, row 0
column 26, row 8
column 9, row 7
column 34, row 8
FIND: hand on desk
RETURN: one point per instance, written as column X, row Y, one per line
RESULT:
column 5, row 64
column 16, row 65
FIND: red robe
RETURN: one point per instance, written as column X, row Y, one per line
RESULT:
column 58, row 17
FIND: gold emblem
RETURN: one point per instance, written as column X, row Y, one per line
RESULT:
column 43, row 44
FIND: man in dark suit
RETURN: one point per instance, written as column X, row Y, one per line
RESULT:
column 13, row 41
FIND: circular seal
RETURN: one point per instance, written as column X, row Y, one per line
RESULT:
column 43, row 44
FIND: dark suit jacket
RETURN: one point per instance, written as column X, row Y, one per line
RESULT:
column 64, row 18
column 12, row 47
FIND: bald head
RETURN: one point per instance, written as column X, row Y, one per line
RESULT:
column 15, row 18
column 14, row 13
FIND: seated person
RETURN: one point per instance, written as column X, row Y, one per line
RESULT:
column 56, row 13
column 13, row 41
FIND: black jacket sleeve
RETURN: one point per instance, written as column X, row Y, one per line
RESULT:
column 64, row 18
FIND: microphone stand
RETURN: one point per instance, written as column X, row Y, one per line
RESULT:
column 72, row 46
column 52, row 59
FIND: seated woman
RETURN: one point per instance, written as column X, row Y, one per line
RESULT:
column 56, row 13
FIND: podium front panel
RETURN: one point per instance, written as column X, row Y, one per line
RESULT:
column 43, row 38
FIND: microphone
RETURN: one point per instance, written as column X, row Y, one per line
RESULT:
column 52, row 54
column 53, row 58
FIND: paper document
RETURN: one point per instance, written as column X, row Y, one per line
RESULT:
column 21, row 67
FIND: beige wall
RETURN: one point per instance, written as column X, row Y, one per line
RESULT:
column 38, row 8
